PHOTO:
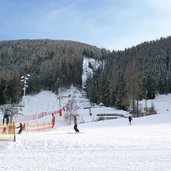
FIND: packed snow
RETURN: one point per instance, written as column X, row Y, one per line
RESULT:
column 109, row 145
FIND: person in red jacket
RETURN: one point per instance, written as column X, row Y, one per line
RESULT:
column 53, row 120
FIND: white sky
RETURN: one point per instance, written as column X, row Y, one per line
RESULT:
column 112, row 24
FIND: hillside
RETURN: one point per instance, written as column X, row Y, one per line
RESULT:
column 123, row 78
column 50, row 63
column 133, row 74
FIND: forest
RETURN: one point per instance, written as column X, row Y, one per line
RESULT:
column 124, row 78
column 136, row 73
column 49, row 63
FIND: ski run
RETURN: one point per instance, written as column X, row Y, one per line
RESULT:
column 104, row 146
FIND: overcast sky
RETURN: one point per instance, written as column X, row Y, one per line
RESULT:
column 111, row 24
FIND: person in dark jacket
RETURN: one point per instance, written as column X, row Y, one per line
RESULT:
column 75, row 124
column 130, row 119
column 5, row 119
column 21, row 128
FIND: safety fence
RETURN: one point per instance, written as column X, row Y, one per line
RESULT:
column 7, row 132
column 29, row 123
column 38, row 126
column 24, row 118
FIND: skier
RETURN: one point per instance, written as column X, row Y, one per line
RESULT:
column 53, row 120
column 75, row 124
column 4, row 130
column 21, row 128
column 130, row 119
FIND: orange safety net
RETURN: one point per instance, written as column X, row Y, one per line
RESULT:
column 7, row 132
column 24, row 118
column 38, row 126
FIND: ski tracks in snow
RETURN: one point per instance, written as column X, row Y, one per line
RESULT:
column 135, row 148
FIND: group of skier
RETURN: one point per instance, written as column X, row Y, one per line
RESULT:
column 6, row 122
column 77, row 130
column 22, row 126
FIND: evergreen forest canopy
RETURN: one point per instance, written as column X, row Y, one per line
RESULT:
column 130, row 75
column 50, row 63
column 125, row 76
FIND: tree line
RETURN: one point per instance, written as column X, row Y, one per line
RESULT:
column 50, row 63
column 131, row 75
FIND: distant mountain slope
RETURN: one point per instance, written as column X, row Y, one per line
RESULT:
column 123, row 78
column 51, row 63
column 128, row 76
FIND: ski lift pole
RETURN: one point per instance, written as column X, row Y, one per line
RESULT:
column 24, row 80
column 59, row 91
column 14, row 132
column 90, row 113
column 60, row 110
